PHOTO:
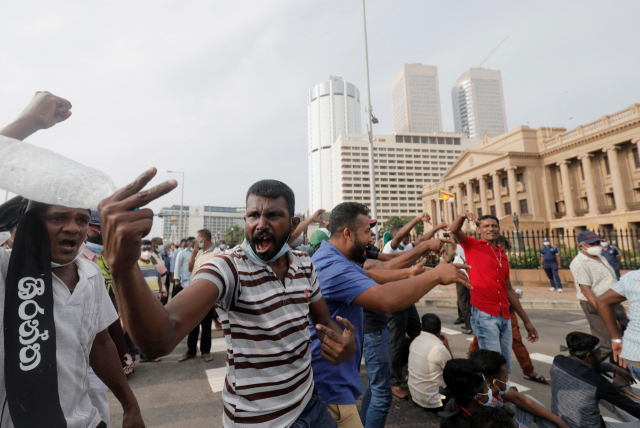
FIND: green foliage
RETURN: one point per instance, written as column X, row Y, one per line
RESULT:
column 234, row 233
column 395, row 220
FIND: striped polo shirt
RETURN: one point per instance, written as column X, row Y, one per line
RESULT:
column 269, row 378
column 151, row 274
column 629, row 288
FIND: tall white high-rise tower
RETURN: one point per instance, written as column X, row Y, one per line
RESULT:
column 415, row 99
column 478, row 103
column 333, row 108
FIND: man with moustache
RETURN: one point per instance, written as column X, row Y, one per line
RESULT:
column 348, row 289
column 263, row 292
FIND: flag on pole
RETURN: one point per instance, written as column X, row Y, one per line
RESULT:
column 444, row 196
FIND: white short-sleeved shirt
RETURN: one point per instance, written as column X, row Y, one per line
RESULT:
column 629, row 288
column 427, row 358
column 78, row 318
column 388, row 249
column 600, row 277
column 460, row 257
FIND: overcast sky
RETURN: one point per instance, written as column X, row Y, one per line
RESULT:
column 218, row 89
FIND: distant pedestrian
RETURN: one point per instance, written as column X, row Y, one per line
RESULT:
column 613, row 256
column 550, row 262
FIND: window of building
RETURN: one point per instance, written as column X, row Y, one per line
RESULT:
column 490, row 187
column 524, row 208
column 505, row 182
column 606, row 165
column 492, row 208
column 520, row 177
column 477, row 189
column 479, row 212
column 507, row 208
column 636, row 158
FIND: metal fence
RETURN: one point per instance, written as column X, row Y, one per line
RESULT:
column 523, row 248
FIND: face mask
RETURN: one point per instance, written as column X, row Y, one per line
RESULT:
column 57, row 265
column 258, row 260
column 96, row 248
column 500, row 392
column 594, row 251
column 200, row 244
column 490, row 400
column 402, row 244
column 605, row 244
column 223, row 247
column 160, row 248
column 146, row 255
column 546, row 244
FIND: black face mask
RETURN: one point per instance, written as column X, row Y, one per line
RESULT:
column 95, row 239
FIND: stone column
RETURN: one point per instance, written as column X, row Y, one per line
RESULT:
column 616, row 179
column 471, row 206
column 484, row 203
column 497, row 196
column 438, row 213
column 588, row 183
column 566, row 189
column 513, row 190
column 459, row 200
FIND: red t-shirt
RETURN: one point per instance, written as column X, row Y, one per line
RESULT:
column 487, row 277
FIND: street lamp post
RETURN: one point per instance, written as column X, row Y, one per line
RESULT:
column 372, row 176
column 181, row 202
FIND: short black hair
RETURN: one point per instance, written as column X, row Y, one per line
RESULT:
column 491, row 361
column 493, row 417
column 146, row 242
column 205, row 232
column 431, row 323
column 156, row 240
column 183, row 240
column 273, row 189
column 486, row 216
column 190, row 239
column 222, row 242
column 344, row 216
column 580, row 344
column 463, row 378
column 395, row 229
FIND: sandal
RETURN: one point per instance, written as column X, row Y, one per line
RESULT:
column 146, row 360
column 185, row 357
column 535, row 377
column 207, row 357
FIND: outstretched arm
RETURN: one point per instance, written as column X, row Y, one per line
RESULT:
column 44, row 111
column 456, row 226
column 338, row 346
column 605, row 304
column 429, row 234
column 382, row 276
column 315, row 218
column 525, row 403
column 406, row 258
column 407, row 229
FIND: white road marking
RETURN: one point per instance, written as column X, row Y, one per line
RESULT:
column 470, row 339
column 216, row 378
column 449, row 331
column 541, row 357
column 583, row 323
column 521, row 388
column 218, row 345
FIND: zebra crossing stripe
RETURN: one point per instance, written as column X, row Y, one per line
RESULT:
column 216, row 378
column 449, row 332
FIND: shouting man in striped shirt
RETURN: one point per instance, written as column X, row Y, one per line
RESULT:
column 263, row 292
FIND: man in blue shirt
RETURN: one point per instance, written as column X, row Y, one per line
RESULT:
column 181, row 275
column 348, row 289
column 550, row 262
column 613, row 256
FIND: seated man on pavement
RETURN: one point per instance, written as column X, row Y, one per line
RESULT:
column 526, row 408
column 428, row 354
column 469, row 390
column 578, row 386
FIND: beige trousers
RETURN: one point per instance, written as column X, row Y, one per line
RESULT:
column 346, row 415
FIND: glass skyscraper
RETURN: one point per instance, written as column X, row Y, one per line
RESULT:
column 415, row 99
column 478, row 103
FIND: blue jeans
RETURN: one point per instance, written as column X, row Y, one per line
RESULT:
column 315, row 414
column 493, row 333
column 635, row 371
column 552, row 274
column 377, row 396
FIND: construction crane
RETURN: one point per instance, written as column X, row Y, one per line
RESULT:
column 495, row 49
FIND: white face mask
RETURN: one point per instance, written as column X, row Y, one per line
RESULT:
column 547, row 244
column 146, row 255
column 594, row 251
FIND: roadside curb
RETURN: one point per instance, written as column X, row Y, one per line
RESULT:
column 449, row 303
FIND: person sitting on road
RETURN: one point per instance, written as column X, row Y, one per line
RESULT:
column 526, row 408
column 428, row 354
column 578, row 386
column 493, row 417
column 469, row 390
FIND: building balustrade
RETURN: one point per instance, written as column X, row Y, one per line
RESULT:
column 490, row 194
column 520, row 187
column 607, row 209
column 504, row 191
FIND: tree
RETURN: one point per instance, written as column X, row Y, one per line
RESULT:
column 234, row 233
column 395, row 220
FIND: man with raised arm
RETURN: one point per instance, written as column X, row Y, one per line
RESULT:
column 349, row 289
column 492, row 293
column 263, row 292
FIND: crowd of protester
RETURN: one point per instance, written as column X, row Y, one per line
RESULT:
column 83, row 295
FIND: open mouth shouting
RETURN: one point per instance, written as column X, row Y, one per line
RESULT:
column 68, row 246
column 262, row 242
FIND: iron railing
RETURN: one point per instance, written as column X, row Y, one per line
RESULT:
column 523, row 248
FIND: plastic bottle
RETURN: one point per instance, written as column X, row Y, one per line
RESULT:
column 519, row 290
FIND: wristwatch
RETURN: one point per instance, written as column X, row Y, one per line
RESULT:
column 616, row 340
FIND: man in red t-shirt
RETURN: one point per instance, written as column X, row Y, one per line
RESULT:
column 492, row 293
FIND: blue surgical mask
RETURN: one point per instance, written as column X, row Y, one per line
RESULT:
column 490, row 400
column 160, row 248
column 402, row 244
column 223, row 246
column 247, row 248
column 96, row 248
column 500, row 392
column 200, row 244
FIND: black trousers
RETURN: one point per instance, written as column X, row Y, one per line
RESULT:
column 464, row 304
column 205, row 339
column 401, row 323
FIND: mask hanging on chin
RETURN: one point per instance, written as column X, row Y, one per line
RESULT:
column 57, row 265
column 94, row 243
